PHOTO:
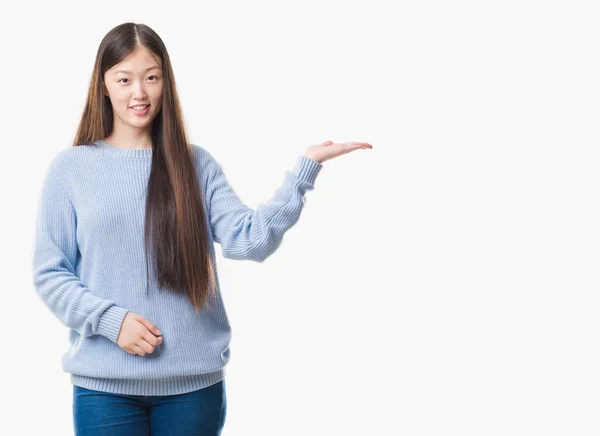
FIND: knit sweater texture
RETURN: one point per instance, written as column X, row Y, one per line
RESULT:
column 89, row 265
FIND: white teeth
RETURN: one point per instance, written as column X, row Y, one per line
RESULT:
column 140, row 108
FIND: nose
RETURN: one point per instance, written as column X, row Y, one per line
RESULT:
column 139, row 93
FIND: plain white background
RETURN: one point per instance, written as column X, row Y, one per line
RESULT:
column 444, row 282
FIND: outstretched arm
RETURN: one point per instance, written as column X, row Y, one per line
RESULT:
column 247, row 234
column 250, row 234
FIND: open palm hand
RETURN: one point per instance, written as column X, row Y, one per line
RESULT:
column 329, row 149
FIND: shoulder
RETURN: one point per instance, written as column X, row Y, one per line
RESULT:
column 72, row 156
column 205, row 160
column 207, row 167
column 72, row 164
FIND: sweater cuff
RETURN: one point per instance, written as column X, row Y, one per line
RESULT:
column 307, row 169
column 110, row 322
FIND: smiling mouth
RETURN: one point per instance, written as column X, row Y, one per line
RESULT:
column 144, row 108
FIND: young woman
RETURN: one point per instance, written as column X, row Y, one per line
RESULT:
column 124, row 252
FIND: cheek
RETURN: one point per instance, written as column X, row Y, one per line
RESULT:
column 157, row 100
column 118, row 100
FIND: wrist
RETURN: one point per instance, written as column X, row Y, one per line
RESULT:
column 311, row 156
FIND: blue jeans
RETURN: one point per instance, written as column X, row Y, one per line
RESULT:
column 197, row 413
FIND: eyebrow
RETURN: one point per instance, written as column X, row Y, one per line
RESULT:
column 129, row 72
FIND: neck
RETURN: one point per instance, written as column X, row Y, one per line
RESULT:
column 134, row 142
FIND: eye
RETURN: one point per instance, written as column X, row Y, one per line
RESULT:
column 124, row 78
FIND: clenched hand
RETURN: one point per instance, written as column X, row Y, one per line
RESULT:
column 138, row 335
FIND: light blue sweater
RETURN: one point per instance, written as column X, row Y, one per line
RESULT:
column 89, row 266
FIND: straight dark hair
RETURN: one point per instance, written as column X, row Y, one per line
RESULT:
column 175, row 225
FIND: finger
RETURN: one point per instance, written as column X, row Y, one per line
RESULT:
column 151, row 339
column 138, row 350
column 150, row 326
column 147, row 347
column 357, row 145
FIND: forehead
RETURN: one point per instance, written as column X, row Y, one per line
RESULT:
column 140, row 61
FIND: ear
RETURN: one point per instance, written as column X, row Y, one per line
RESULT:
column 104, row 89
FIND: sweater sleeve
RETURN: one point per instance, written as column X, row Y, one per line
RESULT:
column 53, row 268
column 247, row 234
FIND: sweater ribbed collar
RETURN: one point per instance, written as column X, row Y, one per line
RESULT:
column 123, row 152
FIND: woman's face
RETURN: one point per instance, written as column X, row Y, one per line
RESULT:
column 137, row 80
